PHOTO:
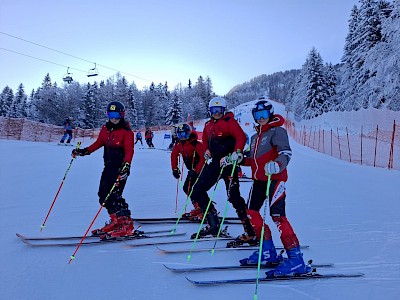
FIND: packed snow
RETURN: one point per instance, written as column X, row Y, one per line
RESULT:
column 346, row 213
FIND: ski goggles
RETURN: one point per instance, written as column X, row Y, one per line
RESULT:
column 261, row 114
column 113, row 115
column 183, row 135
column 217, row 110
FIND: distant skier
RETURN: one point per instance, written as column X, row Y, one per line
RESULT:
column 174, row 137
column 139, row 138
column 148, row 135
column 270, row 153
column 192, row 152
column 116, row 137
column 67, row 130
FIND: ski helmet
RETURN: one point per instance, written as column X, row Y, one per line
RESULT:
column 115, row 110
column 217, row 105
column 262, row 109
column 183, row 131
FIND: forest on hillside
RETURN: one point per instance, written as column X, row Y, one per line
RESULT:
column 368, row 76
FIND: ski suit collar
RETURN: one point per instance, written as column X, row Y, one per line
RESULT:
column 277, row 121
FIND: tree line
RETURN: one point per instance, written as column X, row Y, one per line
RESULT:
column 86, row 104
column 368, row 76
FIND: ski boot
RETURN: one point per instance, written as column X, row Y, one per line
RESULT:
column 124, row 228
column 268, row 255
column 212, row 227
column 109, row 226
column 195, row 214
column 243, row 239
column 293, row 265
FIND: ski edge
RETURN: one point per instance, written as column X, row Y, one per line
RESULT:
column 77, row 237
column 233, row 267
column 172, row 251
column 286, row 278
column 97, row 242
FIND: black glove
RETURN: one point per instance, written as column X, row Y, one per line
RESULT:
column 192, row 174
column 124, row 171
column 80, row 152
column 176, row 173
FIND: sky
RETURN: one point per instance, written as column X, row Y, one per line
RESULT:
column 346, row 213
column 161, row 41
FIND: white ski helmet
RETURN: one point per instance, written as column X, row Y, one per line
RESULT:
column 217, row 101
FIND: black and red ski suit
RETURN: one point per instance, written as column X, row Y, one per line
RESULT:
column 192, row 152
column 222, row 137
column 118, row 143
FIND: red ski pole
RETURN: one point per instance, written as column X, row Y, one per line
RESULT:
column 58, row 191
column 72, row 257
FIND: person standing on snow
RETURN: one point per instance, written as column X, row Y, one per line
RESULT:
column 174, row 137
column 67, row 130
column 192, row 152
column 148, row 135
column 270, row 153
column 139, row 138
column 116, row 136
column 223, row 141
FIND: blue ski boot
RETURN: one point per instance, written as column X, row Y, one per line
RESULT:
column 293, row 265
column 268, row 256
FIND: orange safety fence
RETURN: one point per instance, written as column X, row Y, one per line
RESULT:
column 378, row 148
column 28, row 130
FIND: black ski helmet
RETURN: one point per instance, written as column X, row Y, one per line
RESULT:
column 116, row 106
column 261, row 105
column 183, row 131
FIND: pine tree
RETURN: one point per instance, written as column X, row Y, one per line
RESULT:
column 18, row 106
column 174, row 113
column 6, row 99
column 316, row 93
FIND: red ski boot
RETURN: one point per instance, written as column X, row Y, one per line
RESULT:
column 109, row 226
column 123, row 229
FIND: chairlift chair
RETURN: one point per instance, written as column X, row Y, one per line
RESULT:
column 93, row 72
column 68, row 77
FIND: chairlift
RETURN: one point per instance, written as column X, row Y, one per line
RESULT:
column 93, row 72
column 68, row 77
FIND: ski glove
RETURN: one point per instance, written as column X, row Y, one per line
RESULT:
column 176, row 173
column 80, row 152
column 231, row 159
column 124, row 171
column 207, row 156
column 272, row 167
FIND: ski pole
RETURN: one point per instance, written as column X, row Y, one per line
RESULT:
column 59, row 189
column 266, row 204
column 177, row 186
column 187, row 201
column 226, row 208
column 205, row 214
column 72, row 257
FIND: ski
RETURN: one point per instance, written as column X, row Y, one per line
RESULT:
column 99, row 242
column 279, row 278
column 244, row 247
column 236, row 267
column 180, row 242
column 228, row 220
column 37, row 238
